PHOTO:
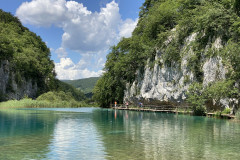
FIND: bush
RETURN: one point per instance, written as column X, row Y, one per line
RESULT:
column 226, row 111
column 199, row 111
column 218, row 114
column 197, row 99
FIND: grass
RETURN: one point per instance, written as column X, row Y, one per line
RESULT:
column 30, row 103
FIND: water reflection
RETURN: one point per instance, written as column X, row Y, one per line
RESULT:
column 88, row 133
column 139, row 135
column 75, row 137
column 49, row 134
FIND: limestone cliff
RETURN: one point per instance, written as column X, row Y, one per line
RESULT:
column 169, row 84
column 10, row 89
column 179, row 52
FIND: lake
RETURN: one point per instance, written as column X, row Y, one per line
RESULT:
column 94, row 133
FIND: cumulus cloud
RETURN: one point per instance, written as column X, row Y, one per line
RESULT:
column 127, row 27
column 66, row 69
column 88, row 33
column 84, row 31
column 42, row 12
column 61, row 52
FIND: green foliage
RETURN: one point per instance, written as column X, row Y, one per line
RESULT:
column 108, row 90
column 6, row 50
column 226, row 111
column 60, row 86
column 231, row 59
column 222, row 89
column 85, row 85
column 172, row 54
column 218, row 114
column 236, row 7
column 30, row 103
column 27, row 53
column 164, row 25
column 199, row 96
column 197, row 99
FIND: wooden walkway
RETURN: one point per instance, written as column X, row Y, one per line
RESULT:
column 168, row 109
column 228, row 116
column 154, row 108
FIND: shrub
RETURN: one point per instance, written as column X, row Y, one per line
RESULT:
column 199, row 110
column 218, row 114
column 197, row 99
column 226, row 111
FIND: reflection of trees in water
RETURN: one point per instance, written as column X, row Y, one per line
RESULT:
column 141, row 135
column 25, row 134
column 117, row 140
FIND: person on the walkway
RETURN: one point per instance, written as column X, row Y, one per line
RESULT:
column 115, row 103
column 127, row 104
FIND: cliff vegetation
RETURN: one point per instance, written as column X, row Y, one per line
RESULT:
column 178, row 34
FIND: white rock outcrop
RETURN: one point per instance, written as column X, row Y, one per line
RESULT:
column 170, row 84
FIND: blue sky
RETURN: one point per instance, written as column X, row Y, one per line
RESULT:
column 79, row 33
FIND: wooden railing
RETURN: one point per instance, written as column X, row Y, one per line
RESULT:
column 151, row 107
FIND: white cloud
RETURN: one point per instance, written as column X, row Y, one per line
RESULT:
column 87, row 33
column 90, row 33
column 84, row 31
column 42, row 12
column 127, row 27
column 66, row 69
column 61, row 52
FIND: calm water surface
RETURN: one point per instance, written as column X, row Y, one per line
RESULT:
column 93, row 133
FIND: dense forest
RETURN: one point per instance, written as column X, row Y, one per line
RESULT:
column 157, row 20
column 86, row 85
column 29, row 58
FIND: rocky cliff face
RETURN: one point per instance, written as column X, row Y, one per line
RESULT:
column 10, row 88
column 164, row 84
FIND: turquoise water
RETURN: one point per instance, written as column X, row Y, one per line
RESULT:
column 93, row 133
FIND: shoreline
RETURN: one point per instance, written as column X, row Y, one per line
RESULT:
column 212, row 115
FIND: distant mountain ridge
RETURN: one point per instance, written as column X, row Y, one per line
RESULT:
column 86, row 85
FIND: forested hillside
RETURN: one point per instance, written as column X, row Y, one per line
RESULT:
column 25, row 65
column 86, row 85
column 172, row 45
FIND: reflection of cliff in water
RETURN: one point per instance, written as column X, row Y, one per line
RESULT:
column 25, row 134
column 141, row 135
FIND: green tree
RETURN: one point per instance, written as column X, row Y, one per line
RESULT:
column 236, row 7
column 197, row 99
